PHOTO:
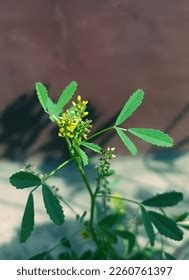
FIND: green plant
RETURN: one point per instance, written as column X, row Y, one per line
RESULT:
column 107, row 225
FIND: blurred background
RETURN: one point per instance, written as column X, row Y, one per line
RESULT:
column 111, row 48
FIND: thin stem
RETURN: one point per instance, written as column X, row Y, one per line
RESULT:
column 70, row 207
column 92, row 208
column 163, row 211
column 60, row 244
column 82, row 173
column 99, row 132
column 35, row 188
column 122, row 198
column 57, row 169
column 148, row 242
column 162, row 245
column 52, row 173
column 56, row 119
column 124, row 129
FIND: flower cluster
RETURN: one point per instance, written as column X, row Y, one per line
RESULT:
column 104, row 172
column 72, row 123
column 104, row 166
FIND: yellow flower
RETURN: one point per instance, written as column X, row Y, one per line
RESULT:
column 79, row 98
column 72, row 123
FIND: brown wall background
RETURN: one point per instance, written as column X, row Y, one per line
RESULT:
column 110, row 47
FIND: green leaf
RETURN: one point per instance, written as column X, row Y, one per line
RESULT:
column 148, row 225
column 130, row 106
column 52, row 205
column 42, row 93
column 184, row 224
column 166, row 226
column 109, row 235
column 83, row 156
column 181, row 217
column 164, row 199
column 23, row 179
column 125, row 234
column 111, row 220
column 153, row 136
column 127, row 142
column 66, row 242
column 65, row 97
column 91, row 146
column 27, row 220
column 51, row 107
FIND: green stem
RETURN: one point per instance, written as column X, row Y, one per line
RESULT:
column 92, row 208
column 122, row 198
column 35, row 188
column 148, row 242
column 99, row 132
column 124, row 129
column 52, row 173
column 82, row 173
column 163, row 211
column 70, row 207
column 57, row 169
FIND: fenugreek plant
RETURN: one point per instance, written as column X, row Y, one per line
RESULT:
column 107, row 226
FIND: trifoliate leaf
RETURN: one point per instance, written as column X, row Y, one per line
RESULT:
column 166, row 226
column 65, row 97
column 164, row 199
column 91, row 146
column 127, row 142
column 52, row 205
column 148, row 225
column 125, row 234
column 22, row 180
column 153, row 136
column 130, row 106
column 27, row 220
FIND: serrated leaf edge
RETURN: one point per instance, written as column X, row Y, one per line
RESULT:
column 159, row 145
column 33, row 221
column 47, row 209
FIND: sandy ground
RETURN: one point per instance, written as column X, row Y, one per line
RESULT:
column 137, row 178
